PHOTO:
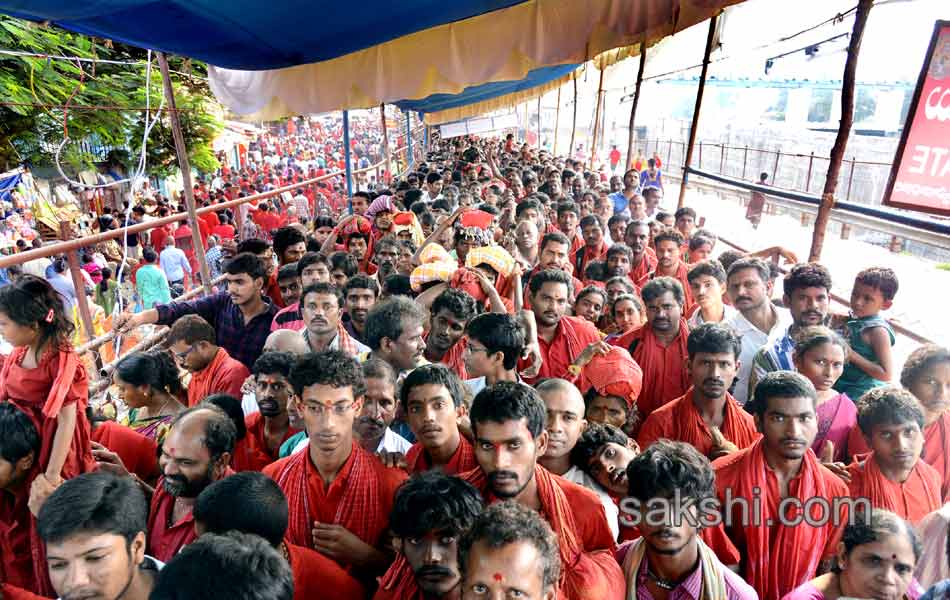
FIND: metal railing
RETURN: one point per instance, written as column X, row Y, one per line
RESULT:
column 70, row 247
column 861, row 181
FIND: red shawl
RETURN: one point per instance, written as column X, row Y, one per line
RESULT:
column 586, row 573
column 253, row 454
column 454, row 356
column 913, row 499
column 583, row 256
column 57, row 380
column 613, row 374
column 664, row 367
column 682, row 269
column 138, row 452
column 680, row 421
column 360, row 510
column 778, row 559
column 572, row 335
column 463, row 459
column 398, row 583
column 223, row 374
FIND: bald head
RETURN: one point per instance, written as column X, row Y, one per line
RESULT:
column 197, row 450
column 565, row 420
column 286, row 340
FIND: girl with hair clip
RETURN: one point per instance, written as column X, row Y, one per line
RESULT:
column 44, row 378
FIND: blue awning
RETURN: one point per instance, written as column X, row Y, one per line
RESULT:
column 487, row 91
column 250, row 34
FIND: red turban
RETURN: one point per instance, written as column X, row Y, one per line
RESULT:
column 614, row 374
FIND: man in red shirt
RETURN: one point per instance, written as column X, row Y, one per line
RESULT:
column 562, row 338
column 270, row 427
column 196, row 452
column 19, row 449
column 252, row 503
column 192, row 342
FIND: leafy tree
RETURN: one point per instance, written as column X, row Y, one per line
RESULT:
column 34, row 90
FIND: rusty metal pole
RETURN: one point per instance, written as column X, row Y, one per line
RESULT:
column 636, row 101
column 386, row 167
column 699, row 103
column 745, row 159
column 557, row 121
column 844, row 130
column 600, row 97
column 182, row 151
column 722, row 158
column 778, row 153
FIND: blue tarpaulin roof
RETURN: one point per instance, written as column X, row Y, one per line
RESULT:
column 486, row 91
column 251, row 34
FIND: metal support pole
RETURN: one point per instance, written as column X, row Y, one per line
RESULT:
column 600, row 97
column 570, row 150
column 811, row 162
column 382, row 116
column 844, row 130
column 699, row 104
column 850, row 180
column 557, row 121
column 346, row 154
column 700, row 155
column 722, row 158
column 745, row 159
column 182, row 151
column 778, row 154
column 408, row 140
column 636, row 102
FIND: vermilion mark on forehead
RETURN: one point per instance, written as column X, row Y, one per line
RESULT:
column 498, row 577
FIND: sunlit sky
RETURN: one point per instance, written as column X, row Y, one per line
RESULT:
column 893, row 47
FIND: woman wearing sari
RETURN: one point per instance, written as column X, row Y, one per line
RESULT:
column 820, row 356
column 149, row 386
column 875, row 559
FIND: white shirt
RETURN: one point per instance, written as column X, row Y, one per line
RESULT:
column 575, row 475
column 752, row 340
column 393, row 442
column 697, row 319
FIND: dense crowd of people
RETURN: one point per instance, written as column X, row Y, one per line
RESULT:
column 499, row 375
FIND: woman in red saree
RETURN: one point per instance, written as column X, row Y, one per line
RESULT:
column 44, row 378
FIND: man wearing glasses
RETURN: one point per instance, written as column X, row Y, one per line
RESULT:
column 339, row 495
column 192, row 343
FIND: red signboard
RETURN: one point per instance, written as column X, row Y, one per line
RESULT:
column 920, row 177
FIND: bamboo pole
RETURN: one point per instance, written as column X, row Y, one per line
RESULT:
column 699, row 103
column 600, row 94
column 182, row 151
column 570, row 150
column 844, row 130
column 636, row 101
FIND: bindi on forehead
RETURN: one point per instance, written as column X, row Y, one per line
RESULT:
column 498, row 577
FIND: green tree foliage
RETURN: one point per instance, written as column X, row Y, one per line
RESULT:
column 30, row 132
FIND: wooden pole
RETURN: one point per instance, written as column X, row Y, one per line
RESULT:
column 382, row 117
column 570, row 150
column 557, row 121
column 182, row 151
column 82, row 300
column 636, row 101
column 600, row 94
column 844, row 130
column 699, row 103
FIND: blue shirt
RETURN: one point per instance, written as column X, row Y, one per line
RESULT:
column 174, row 263
column 620, row 202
